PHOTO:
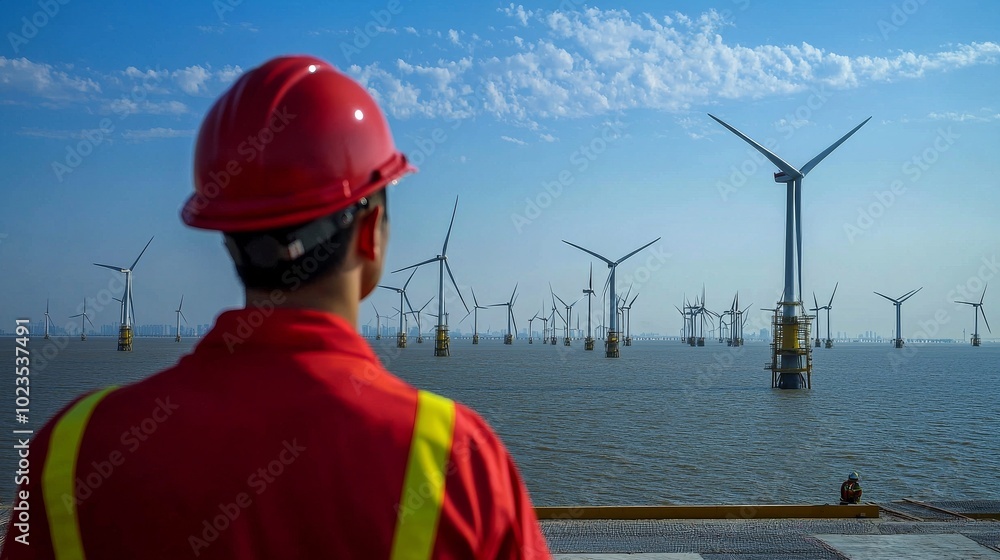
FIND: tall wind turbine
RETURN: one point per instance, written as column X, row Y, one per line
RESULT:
column 47, row 320
column 568, row 319
column 441, row 347
column 628, row 320
column 420, row 331
column 475, row 317
column 611, row 344
column 828, row 307
column 791, row 350
column 545, row 324
column 179, row 315
column 977, row 308
column 817, row 309
column 378, row 323
column 529, row 328
column 898, row 341
column 401, row 335
column 125, row 330
column 588, row 343
column 83, row 317
column 509, row 304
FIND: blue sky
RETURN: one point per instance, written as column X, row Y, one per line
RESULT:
column 550, row 121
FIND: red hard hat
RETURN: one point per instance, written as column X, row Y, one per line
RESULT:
column 291, row 141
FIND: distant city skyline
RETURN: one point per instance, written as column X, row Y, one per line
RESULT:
column 550, row 122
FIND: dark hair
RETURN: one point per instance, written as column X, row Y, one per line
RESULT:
column 289, row 257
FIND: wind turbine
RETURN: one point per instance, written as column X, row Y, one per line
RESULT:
column 529, row 328
column 628, row 320
column 828, row 307
column 817, row 309
column 125, row 330
column 441, row 347
column 611, row 345
column 789, row 361
column 509, row 304
column 47, row 318
column 475, row 318
column 401, row 335
column 568, row 318
column 977, row 309
column 545, row 324
column 179, row 315
column 898, row 341
column 588, row 343
column 378, row 323
column 420, row 333
column 83, row 317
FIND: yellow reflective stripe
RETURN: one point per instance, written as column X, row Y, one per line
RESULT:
column 58, row 475
column 423, row 483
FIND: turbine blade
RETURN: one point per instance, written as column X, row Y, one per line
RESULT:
column 559, row 298
column 633, row 300
column 829, row 305
column 452, row 276
column 114, row 268
column 816, row 303
column 984, row 294
column 444, row 249
column 407, row 299
column 182, row 303
column 885, row 296
column 814, row 161
column 589, row 251
column 621, row 260
column 782, row 164
column 415, row 265
column 474, row 300
column 389, row 288
column 428, row 303
column 410, row 278
column 92, row 323
column 376, row 309
column 911, row 294
column 183, row 317
column 967, row 303
column 591, row 288
column 983, row 311
column 512, row 294
column 140, row 254
column 75, row 316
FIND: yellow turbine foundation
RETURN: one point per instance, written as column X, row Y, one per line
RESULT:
column 125, row 338
column 441, row 342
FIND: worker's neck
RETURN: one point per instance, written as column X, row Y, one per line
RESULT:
column 340, row 296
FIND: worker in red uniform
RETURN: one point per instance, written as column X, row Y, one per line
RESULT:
column 281, row 435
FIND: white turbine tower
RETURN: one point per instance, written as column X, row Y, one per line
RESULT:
column 441, row 347
column 509, row 304
column 611, row 345
column 83, row 317
column 588, row 343
column 791, row 349
column 475, row 317
column 378, row 323
column 179, row 315
column 127, row 314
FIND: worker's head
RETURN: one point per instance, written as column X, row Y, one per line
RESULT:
column 853, row 476
column 291, row 164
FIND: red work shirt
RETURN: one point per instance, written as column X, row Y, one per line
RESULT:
column 277, row 437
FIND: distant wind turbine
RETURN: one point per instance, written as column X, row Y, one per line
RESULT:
column 898, row 341
column 83, row 317
column 611, row 345
column 179, row 315
column 125, row 329
column 401, row 335
column 509, row 304
column 977, row 309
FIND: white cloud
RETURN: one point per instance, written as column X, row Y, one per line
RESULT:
column 547, row 137
column 155, row 133
column 595, row 62
column 191, row 79
column 125, row 106
column 411, row 31
column 513, row 140
column 984, row 116
column 453, row 36
column 21, row 76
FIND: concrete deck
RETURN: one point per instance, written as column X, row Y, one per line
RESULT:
column 923, row 533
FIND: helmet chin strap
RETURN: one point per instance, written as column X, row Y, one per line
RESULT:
column 266, row 251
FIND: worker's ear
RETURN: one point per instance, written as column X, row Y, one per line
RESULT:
column 370, row 234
